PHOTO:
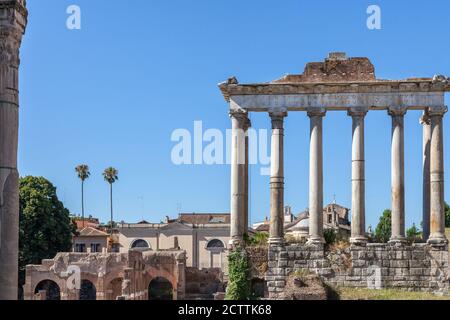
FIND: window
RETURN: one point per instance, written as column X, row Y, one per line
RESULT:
column 140, row 243
column 330, row 218
column 215, row 243
column 80, row 247
column 95, row 247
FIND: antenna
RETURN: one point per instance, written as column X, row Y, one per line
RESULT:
column 142, row 206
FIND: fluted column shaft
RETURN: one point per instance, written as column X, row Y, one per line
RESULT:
column 426, row 138
column 358, row 225
column 13, row 20
column 316, row 177
column 239, row 121
column 277, row 179
column 398, row 175
column 437, row 209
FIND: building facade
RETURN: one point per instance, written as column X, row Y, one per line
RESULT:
column 204, row 237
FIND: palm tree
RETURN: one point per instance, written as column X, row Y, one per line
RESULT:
column 110, row 176
column 83, row 173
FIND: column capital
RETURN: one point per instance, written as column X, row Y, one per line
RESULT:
column 425, row 118
column 397, row 111
column 277, row 118
column 316, row 112
column 437, row 111
column 278, row 113
column 247, row 124
column 238, row 114
column 357, row 112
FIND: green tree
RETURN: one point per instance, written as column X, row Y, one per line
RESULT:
column 413, row 233
column 447, row 215
column 83, row 173
column 45, row 227
column 111, row 175
column 383, row 229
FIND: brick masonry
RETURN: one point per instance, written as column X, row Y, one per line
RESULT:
column 417, row 267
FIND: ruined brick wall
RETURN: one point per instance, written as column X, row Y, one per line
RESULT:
column 204, row 282
column 415, row 268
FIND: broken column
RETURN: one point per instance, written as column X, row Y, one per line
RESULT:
column 13, row 20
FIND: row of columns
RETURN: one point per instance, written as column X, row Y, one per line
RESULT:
column 433, row 176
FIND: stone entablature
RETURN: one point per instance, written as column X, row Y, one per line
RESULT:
column 114, row 276
column 417, row 267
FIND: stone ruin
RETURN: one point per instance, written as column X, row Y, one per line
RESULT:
column 337, row 84
column 108, row 276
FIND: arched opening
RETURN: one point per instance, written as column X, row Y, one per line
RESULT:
column 258, row 288
column 160, row 289
column 87, row 290
column 215, row 248
column 52, row 291
column 139, row 243
column 215, row 243
column 115, row 287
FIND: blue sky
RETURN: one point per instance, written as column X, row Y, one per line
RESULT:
column 113, row 92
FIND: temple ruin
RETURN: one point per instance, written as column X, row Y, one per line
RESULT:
column 345, row 84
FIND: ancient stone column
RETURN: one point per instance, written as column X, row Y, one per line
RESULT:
column 13, row 20
column 276, row 235
column 239, row 121
column 246, row 181
column 358, row 236
column 425, row 121
column 316, row 177
column 397, row 175
column 437, row 209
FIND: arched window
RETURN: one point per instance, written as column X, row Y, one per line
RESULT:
column 215, row 243
column 140, row 243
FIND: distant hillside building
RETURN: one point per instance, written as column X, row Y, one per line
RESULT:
column 86, row 222
column 334, row 217
column 90, row 239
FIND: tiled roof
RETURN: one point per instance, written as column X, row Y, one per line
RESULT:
column 92, row 232
column 204, row 218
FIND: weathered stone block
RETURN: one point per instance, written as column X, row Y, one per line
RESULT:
column 282, row 263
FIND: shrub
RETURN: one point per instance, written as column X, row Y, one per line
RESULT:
column 238, row 272
column 330, row 236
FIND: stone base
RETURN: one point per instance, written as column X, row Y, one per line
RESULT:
column 315, row 241
column 276, row 241
column 359, row 241
column 418, row 267
column 437, row 241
